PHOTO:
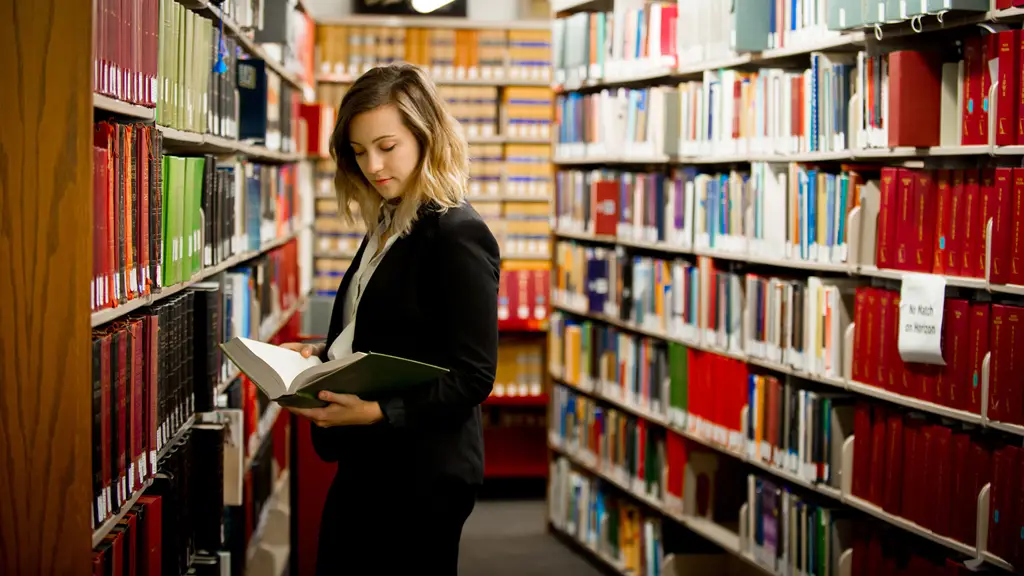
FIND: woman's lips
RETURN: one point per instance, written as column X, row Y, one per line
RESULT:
column 382, row 181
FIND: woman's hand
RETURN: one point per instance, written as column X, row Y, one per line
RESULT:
column 342, row 410
column 306, row 350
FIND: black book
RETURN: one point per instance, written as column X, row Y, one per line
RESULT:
column 207, row 486
column 97, row 427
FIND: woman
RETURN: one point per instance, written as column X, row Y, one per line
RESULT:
column 423, row 285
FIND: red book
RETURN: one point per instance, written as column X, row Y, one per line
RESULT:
column 906, row 218
column 979, row 334
column 137, row 389
column 876, row 484
column 605, row 209
column 987, row 211
column 943, row 215
column 940, row 478
column 1003, row 4
column 893, row 463
column 925, row 208
column 861, row 450
column 1007, row 97
column 1001, row 209
column 954, row 242
column 959, row 485
column 1020, row 94
column 675, row 447
column 915, row 98
column 913, row 464
column 885, row 249
column 990, row 51
column 1002, row 373
column 884, row 379
column 951, row 389
column 1016, row 234
column 1018, row 504
column 971, row 245
column 859, row 354
column 1004, row 464
column 974, row 68
column 870, row 371
column 153, row 538
column 979, row 474
column 901, row 379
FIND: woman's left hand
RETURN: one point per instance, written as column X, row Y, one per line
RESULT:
column 342, row 410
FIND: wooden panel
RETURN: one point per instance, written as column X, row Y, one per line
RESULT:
column 45, row 266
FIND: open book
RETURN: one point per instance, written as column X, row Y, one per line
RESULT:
column 291, row 380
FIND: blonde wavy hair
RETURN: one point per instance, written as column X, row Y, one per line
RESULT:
column 442, row 175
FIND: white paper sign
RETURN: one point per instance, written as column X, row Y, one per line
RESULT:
column 922, row 297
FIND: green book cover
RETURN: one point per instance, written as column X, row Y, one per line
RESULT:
column 166, row 219
column 178, row 189
column 196, row 194
column 678, row 360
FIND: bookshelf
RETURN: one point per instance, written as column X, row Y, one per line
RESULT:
column 746, row 184
column 189, row 233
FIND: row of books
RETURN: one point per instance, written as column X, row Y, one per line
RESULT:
column 599, row 45
column 124, row 50
column 841, row 101
column 519, row 111
column 615, row 527
column 175, row 526
column 161, row 218
column 447, row 53
column 787, row 530
column 521, row 370
column 801, row 325
column 247, row 14
column 186, row 74
column 854, row 14
column 259, row 292
column 521, row 228
column 971, row 330
column 893, row 454
column 145, row 371
column 615, row 122
column 792, row 534
column 710, row 30
column 739, row 213
column 946, row 230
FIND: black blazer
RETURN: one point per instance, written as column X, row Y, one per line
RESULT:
column 433, row 298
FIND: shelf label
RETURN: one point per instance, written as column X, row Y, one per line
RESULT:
column 922, row 297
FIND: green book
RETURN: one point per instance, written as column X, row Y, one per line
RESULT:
column 291, row 380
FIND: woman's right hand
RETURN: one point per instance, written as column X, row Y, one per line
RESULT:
column 306, row 350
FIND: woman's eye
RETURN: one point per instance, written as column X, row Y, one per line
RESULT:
column 389, row 149
column 358, row 154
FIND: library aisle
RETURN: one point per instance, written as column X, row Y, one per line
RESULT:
column 507, row 537
column 760, row 300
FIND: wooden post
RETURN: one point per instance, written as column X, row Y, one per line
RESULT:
column 45, row 271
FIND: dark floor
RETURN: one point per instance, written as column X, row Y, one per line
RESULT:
column 507, row 536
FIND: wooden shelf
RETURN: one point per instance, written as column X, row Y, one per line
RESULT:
column 101, row 102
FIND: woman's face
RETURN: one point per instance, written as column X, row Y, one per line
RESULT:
column 386, row 151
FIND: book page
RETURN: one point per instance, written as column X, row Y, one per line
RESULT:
column 287, row 363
